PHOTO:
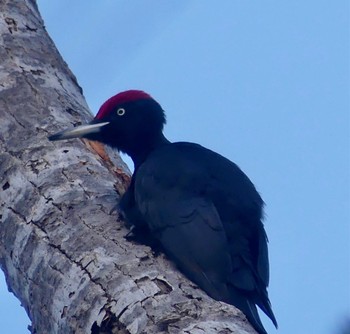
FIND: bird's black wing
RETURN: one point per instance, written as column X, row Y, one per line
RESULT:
column 206, row 214
column 169, row 194
column 240, row 208
column 191, row 233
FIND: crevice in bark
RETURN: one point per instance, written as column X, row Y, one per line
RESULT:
column 11, row 24
column 109, row 325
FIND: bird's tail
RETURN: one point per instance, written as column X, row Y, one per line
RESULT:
column 249, row 309
column 266, row 308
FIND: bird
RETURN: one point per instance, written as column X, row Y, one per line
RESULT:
column 198, row 206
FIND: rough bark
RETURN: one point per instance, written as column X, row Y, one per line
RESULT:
column 64, row 256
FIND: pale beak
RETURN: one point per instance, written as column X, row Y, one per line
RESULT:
column 78, row 132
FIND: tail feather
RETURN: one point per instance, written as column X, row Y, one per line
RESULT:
column 265, row 306
column 253, row 317
column 248, row 307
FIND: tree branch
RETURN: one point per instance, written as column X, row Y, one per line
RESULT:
column 64, row 256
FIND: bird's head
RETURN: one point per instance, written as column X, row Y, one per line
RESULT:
column 128, row 121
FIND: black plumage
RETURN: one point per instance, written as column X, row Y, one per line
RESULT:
column 202, row 209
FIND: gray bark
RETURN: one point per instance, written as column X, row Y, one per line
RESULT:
column 64, row 256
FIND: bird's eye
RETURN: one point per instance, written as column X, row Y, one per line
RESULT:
column 120, row 111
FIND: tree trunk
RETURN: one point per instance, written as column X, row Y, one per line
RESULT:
column 64, row 255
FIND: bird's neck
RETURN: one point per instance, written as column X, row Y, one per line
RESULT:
column 140, row 153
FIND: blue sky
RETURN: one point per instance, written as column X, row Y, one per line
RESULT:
column 265, row 84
